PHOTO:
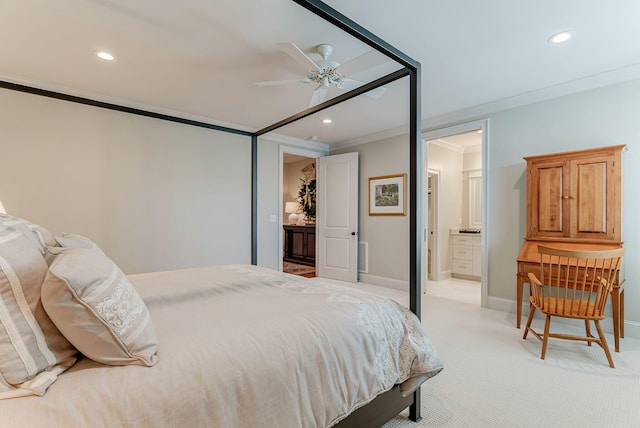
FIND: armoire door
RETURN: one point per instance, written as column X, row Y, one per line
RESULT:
column 547, row 206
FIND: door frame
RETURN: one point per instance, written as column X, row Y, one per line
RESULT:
column 313, row 154
column 435, row 200
column 433, row 134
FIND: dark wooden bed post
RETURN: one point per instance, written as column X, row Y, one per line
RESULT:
column 254, row 199
column 415, row 211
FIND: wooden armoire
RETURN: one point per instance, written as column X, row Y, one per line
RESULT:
column 574, row 200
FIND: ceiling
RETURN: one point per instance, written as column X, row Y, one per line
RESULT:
column 199, row 59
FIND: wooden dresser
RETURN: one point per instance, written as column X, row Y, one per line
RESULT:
column 300, row 244
column 574, row 200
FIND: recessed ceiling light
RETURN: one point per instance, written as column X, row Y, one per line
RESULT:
column 105, row 55
column 326, row 120
column 561, row 37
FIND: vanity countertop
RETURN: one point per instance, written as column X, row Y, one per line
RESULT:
column 469, row 231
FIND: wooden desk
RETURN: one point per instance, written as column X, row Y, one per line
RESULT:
column 529, row 261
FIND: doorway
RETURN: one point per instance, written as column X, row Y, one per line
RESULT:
column 298, row 204
column 456, row 232
column 331, row 243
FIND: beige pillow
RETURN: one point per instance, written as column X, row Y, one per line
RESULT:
column 70, row 240
column 95, row 306
column 32, row 350
column 38, row 235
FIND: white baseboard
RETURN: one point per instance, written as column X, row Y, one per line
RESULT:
column 384, row 282
column 631, row 328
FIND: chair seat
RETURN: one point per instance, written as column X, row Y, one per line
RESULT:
column 575, row 308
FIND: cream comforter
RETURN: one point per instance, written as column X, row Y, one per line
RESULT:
column 242, row 346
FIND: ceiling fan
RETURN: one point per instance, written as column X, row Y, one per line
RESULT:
column 325, row 72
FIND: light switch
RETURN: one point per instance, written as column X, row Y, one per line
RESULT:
column 273, row 218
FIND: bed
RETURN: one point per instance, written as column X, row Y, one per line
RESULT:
column 83, row 383
column 227, row 346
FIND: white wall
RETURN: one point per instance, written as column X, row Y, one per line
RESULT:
column 154, row 195
column 595, row 118
column 449, row 163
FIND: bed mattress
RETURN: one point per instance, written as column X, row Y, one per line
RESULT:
column 243, row 346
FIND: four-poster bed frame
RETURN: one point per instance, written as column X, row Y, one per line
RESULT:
column 388, row 404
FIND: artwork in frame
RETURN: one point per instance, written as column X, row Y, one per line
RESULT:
column 387, row 195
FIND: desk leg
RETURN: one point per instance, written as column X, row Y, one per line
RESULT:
column 519, row 301
column 615, row 310
column 621, row 318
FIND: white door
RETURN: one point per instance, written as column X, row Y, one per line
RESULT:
column 337, row 217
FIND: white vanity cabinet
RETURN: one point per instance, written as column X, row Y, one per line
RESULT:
column 466, row 255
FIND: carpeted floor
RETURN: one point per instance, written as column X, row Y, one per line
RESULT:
column 493, row 378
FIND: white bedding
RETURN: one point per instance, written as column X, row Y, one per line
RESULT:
column 242, row 346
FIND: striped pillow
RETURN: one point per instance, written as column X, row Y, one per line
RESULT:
column 38, row 235
column 32, row 350
column 95, row 306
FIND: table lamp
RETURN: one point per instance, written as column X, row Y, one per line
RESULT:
column 292, row 208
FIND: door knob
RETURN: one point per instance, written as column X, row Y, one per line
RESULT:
column 353, row 234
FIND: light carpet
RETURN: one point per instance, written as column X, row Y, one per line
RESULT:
column 493, row 378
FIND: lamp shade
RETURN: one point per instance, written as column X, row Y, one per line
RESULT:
column 2, row 210
column 291, row 207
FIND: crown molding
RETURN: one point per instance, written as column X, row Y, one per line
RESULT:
column 447, row 145
column 369, row 138
column 566, row 88
column 275, row 137
column 594, row 81
column 118, row 101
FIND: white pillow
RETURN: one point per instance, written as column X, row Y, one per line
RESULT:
column 32, row 350
column 38, row 235
column 70, row 240
column 95, row 306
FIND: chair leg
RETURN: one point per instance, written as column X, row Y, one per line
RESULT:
column 545, row 339
column 587, row 328
column 603, row 343
column 532, row 310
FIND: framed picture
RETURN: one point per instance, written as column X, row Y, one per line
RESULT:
column 387, row 195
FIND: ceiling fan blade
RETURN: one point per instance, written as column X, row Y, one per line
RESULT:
column 349, row 84
column 296, row 53
column 360, row 63
column 319, row 95
column 281, row 82
column 376, row 93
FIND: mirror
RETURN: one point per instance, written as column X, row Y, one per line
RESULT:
column 475, row 199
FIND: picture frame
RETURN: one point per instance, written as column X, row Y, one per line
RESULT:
column 387, row 195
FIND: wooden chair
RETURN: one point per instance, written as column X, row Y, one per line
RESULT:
column 573, row 284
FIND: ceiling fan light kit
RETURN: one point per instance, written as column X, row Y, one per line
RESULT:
column 325, row 72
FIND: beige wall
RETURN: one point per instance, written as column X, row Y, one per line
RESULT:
column 449, row 163
column 595, row 118
column 158, row 195
column 154, row 195
column 387, row 235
